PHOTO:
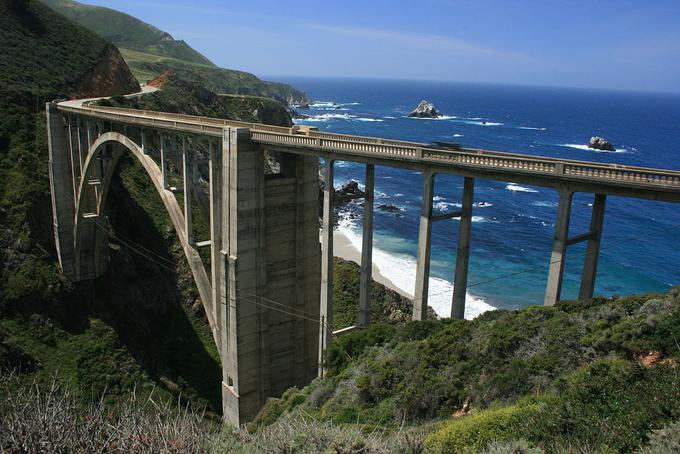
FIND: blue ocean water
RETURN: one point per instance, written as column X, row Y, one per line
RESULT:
column 513, row 225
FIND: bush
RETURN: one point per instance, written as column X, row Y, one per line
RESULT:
column 476, row 431
column 352, row 345
column 666, row 440
column 610, row 405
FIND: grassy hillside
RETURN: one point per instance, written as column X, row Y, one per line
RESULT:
column 590, row 376
column 149, row 52
column 125, row 31
column 596, row 376
column 181, row 96
column 139, row 326
column 42, row 52
column 218, row 80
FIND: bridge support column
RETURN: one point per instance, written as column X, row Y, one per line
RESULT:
column 63, row 205
column 463, row 251
column 163, row 163
column 187, row 178
column 366, row 276
column 559, row 249
column 592, row 249
column 218, row 190
column 326, row 309
column 245, row 361
column 423, row 260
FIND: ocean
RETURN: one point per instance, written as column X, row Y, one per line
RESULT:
column 513, row 224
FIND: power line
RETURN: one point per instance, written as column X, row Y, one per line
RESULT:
column 583, row 254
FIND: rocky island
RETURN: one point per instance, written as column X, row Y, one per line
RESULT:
column 425, row 110
column 600, row 143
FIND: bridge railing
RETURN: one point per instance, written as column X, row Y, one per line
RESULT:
column 300, row 136
column 477, row 158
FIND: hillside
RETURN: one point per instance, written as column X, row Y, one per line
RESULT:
column 127, row 32
column 139, row 327
column 149, row 52
column 44, row 53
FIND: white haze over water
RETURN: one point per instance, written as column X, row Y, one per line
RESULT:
column 401, row 270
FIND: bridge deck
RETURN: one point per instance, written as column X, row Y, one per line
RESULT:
column 582, row 176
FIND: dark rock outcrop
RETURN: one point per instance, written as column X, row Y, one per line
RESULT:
column 425, row 110
column 389, row 207
column 110, row 76
column 600, row 143
column 347, row 192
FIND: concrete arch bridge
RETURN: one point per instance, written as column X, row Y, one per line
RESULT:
column 267, row 292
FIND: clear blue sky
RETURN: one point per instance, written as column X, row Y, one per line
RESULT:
column 632, row 45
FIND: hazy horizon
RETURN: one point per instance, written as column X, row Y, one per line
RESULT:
column 614, row 45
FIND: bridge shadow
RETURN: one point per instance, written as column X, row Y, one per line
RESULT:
column 148, row 294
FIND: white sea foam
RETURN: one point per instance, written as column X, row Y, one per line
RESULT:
column 482, row 123
column 518, row 188
column 368, row 119
column 531, row 127
column 484, row 219
column 444, row 206
column 400, row 269
column 542, row 203
column 325, row 117
column 587, row 148
column 483, row 204
column 390, row 118
column 322, row 104
column 458, row 135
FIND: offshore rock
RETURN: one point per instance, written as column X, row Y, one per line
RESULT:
column 425, row 110
column 600, row 143
column 350, row 190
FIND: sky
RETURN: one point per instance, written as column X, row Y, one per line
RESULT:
column 625, row 45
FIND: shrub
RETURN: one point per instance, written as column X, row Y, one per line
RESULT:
column 476, row 431
column 666, row 440
column 609, row 405
column 352, row 345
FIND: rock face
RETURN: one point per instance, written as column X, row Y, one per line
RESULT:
column 110, row 76
column 600, row 143
column 425, row 110
column 347, row 192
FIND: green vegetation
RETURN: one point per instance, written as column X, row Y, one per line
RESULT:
column 218, row 80
column 138, row 326
column 181, row 96
column 149, row 52
column 596, row 375
column 476, row 431
column 386, row 305
column 43, row 53
column 127, row 32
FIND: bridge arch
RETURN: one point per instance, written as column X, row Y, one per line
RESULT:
column 87, row 232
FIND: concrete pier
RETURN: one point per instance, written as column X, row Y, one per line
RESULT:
column 366, row 273
column 463, row 250
column 559, row 249
column 188, row 168
column 593, row 248
column 423, row 259
column 326, row 305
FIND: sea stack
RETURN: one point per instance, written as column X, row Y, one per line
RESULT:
column 600, row 143
column 425, row 110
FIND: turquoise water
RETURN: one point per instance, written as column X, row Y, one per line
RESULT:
column 513, row 224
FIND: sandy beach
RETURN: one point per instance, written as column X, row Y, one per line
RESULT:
column 343, row 248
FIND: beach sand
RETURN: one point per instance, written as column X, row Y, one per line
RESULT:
column 343, row 248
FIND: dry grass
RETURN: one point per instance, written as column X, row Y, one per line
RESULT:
column 36, row 419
